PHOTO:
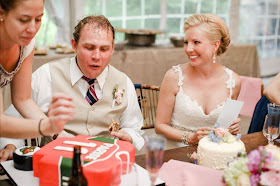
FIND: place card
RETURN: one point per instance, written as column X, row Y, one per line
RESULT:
column 230, row 112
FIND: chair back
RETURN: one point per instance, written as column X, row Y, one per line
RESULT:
column 33, row 142
column 250, row 94
column 148, row 100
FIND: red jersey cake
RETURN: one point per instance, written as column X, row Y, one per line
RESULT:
column 52, row 163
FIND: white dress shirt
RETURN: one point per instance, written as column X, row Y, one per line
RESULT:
column 131, row 119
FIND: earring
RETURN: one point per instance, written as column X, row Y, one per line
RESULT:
column 214, row 58
column 1, row 19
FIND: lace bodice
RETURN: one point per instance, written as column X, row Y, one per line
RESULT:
column 188, row 115
column 7, row 77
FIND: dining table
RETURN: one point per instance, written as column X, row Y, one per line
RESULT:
column 251, row 141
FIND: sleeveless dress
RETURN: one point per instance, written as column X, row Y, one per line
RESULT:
column 7, row 77
column 188, row 115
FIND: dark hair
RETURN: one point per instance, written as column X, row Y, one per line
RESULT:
column 8, row 5
column 99, row 21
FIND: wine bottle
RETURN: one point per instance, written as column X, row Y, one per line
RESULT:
column 77, row 177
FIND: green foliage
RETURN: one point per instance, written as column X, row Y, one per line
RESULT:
column 47, row 32
column 93, row 7
column 113, row 8
column 222, row 7
column 206, row 6
column 152, row 7
column 190, row 7
column 133, row 8
column 173, row 25
column 173, row 6
column 152, row 24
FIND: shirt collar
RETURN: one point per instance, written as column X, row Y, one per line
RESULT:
column 76, row 74
column 102, row 77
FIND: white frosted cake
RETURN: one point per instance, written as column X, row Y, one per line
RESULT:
column 217, row 149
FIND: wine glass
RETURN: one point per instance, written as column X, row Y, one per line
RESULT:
column 271, row 127
column 273, row 109
column 155, row 145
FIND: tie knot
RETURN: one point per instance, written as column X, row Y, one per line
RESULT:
column 90, row 81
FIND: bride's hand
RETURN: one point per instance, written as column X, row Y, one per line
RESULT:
column 193, row 138
column 234, row 127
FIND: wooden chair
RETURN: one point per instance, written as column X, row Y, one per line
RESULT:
column 33, row 142
column 250, row 93
column 148, row 100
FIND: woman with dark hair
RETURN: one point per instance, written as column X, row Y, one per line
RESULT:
column 20, row 20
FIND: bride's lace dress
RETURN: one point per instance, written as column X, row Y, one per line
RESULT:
column 188, row 115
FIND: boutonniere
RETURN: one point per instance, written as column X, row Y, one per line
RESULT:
column 117, row 95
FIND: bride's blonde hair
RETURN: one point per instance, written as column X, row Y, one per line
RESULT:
column 215, row 27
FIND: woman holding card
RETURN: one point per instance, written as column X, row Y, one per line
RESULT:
column 192, row 95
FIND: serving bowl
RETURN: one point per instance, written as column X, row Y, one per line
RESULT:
column 177, row 39
column 139, row 37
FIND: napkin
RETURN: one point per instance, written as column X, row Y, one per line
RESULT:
column 176, row 172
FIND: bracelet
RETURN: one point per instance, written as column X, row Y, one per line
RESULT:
column 54, row 136
column 184, row 137
column 39, row 127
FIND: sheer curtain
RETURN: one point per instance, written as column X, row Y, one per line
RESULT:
column 59, row 13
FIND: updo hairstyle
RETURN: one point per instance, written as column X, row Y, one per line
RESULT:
column 215, row 27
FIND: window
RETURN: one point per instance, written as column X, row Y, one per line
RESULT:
column 179, row 10
column 167, row 15
column 47, row 33
column 55, row 27
column 259, row 24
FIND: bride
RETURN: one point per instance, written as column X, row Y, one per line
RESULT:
column 192, row 95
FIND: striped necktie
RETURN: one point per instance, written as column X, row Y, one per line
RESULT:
column 90, row 96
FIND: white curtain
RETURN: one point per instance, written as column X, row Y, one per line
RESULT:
column 59, row 13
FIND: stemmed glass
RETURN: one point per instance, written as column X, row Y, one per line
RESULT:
column 155, row 145
column 271, row 127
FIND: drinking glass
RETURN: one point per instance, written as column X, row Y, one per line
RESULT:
column 154, row 145
column 271, row 127
column 273, row 109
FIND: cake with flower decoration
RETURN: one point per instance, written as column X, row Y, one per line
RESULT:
column 219, row 148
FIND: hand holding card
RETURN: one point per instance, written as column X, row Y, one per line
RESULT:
column 230, row 112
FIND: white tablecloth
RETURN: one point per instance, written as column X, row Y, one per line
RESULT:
column 26, row 178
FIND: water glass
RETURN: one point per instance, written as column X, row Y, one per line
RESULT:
column 271, row 127
column 154, row 145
